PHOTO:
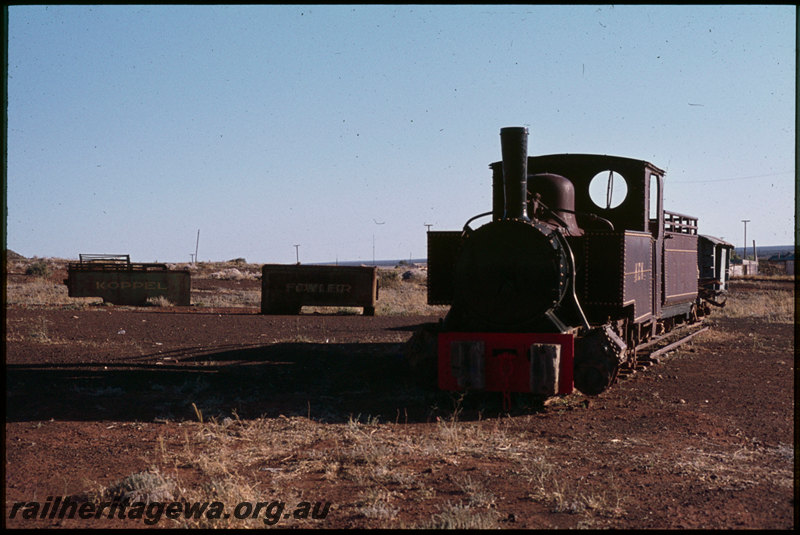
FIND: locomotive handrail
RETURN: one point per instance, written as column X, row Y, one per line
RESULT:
column 473, row 218
column 573, row 270
column 680, row 223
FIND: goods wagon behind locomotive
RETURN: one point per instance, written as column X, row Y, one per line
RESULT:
column 557, row 290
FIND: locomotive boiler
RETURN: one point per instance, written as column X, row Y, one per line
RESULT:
column 558, row 290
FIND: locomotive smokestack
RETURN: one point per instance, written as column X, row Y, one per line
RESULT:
column 514, row 145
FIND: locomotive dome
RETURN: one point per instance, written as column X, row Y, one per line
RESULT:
column 558, row 194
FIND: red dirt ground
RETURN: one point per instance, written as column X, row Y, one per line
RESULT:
column 88, row 397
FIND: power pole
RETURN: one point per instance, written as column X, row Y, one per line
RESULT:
column 744, row 254
column 297, row 252
column 428, row 225
column 197, row 245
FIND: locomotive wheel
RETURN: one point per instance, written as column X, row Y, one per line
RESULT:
column 598, row 355
column 593, row 375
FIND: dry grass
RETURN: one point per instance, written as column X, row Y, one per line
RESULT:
column 729, row 471
column 384, row 474
column 400, row 297
column 764, row 277
column 231, row 270
column 771, row 305
column 383, row 465
column 44, row 292
column 146, row 486
column 226, row 298
column 159, row 301
column 458, row 516
column 234, row 274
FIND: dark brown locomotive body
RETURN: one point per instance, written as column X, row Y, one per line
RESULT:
column 552, row 260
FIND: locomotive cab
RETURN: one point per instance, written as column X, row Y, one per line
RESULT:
column 618, row 202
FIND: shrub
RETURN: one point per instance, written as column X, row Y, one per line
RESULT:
column 159, row 301
column 388, row 278
column 38, row 269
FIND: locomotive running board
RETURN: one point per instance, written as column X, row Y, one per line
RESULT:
column 653, row 356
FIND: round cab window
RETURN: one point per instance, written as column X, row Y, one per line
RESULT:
column 608, row 189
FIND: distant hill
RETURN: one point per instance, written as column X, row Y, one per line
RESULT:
column 11, row 255
column 767, row 251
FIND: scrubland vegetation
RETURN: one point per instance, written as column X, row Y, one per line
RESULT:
column 40, row 282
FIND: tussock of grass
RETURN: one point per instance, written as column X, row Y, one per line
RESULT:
column 159, row 301
column 457, row 516
column 234, row 274
column 39, row 331
column 146, row 487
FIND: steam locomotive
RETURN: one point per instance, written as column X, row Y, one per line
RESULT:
column 559, row 291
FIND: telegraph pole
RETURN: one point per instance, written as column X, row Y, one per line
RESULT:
column 297, row 252
column 744, row 254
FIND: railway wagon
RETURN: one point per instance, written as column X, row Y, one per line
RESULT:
column 119, row 281
column 286, row 288
column 713, row 258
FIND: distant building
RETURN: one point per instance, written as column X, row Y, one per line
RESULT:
column 741, row 267
column 787, row 259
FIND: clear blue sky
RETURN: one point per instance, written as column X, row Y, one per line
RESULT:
column 335, row 127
